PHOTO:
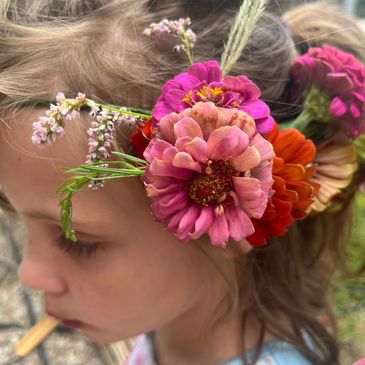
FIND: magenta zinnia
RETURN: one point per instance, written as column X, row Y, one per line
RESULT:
column 205, row 82
column 333, row 83
column 209, row 172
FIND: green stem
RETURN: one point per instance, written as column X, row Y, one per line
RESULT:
column 120, row 111
column 187, row 47
column 302, row 120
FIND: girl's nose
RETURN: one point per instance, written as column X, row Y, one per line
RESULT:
column 37, row 275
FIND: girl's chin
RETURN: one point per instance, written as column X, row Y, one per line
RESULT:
column 101, row 337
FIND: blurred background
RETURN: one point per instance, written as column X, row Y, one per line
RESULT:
column 21, row 308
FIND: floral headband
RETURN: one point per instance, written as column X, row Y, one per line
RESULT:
column 212, row 158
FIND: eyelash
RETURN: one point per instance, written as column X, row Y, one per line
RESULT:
column 77, row 249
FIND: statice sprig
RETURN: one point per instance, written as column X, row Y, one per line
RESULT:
column 51, row 126
column 48, row 128
column 176, row 28
column 101, row 131
column 84, row 175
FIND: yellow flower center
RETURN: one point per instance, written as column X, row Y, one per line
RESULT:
column 205, row 94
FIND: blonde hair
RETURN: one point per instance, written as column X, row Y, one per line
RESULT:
column 96, row 47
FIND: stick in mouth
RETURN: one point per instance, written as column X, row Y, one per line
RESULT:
column 36, row 335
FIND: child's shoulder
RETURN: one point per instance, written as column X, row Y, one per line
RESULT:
column 275, row 352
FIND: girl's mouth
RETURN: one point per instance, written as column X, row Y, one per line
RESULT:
column 71, row 323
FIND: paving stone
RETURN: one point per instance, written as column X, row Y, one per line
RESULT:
column 8, row 340
column 12, row 305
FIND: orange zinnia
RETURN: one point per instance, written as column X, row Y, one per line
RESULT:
column 293, row 193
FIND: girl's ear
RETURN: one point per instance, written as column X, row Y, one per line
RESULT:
column 244, row 246
column 237, row 248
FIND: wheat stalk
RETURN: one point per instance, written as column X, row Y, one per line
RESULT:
column 241, row 30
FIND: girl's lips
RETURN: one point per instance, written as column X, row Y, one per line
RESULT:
column 72, row 323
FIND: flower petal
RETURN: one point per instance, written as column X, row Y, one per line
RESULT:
column 254, row 208
column 214, row 71
column 186, row 81
column 199, row 71
column 226, row 142
column 203, row 223
column 256, row 108
column 161, row 109
column 181, row 142
column 247, row 160
column 163, row 168
column 243, row 121
column 219, row 231
column 242, row 84
column 293, row 172
column 305, row 154
column 198, row 148
column 153, row 192
column 155, row 149
column 185, row 161
column 247, row 188
column 169, row 204
column 355, row 111
column 187, row 127
column 174, row 97
column 166, row 127
column 240, row 226
column 186, row 225
column 206, row 114
column 175, row 219
column 338, row 108
column 264, row 147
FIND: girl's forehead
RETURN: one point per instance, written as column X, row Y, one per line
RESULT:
column 17, row 137
column 30, row 175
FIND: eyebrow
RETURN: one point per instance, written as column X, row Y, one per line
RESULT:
column 50, row 217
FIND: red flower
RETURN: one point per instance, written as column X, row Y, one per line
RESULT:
column 142, row 137
column 293, row 193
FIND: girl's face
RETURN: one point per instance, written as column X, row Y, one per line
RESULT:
column 130, row 274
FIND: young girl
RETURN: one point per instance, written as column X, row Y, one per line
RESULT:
column 127, row 274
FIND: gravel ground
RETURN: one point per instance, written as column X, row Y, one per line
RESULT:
column 21, row 308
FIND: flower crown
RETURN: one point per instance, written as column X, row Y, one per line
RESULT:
column 212, row 158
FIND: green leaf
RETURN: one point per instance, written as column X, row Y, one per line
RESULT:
column 360, row 147
column 129, row 157
column 85, row 174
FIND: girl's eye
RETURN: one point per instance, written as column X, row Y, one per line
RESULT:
column 77, row 249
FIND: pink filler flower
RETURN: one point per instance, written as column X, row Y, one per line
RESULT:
column 210, row 172
column 205, row 82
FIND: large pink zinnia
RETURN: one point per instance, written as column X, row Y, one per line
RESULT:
column 209, row 172
column 334, row 83
column 205, row 82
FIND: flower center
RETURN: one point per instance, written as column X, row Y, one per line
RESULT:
column 319, row 102
column 212, row 186
column 206, row 93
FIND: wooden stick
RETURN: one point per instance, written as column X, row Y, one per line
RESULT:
column 36, row 335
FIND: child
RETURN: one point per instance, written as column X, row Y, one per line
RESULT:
column 255, row 302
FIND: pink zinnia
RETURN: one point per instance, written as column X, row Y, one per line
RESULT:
column 334, row 84
column 205, row 82
column 209, row 172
